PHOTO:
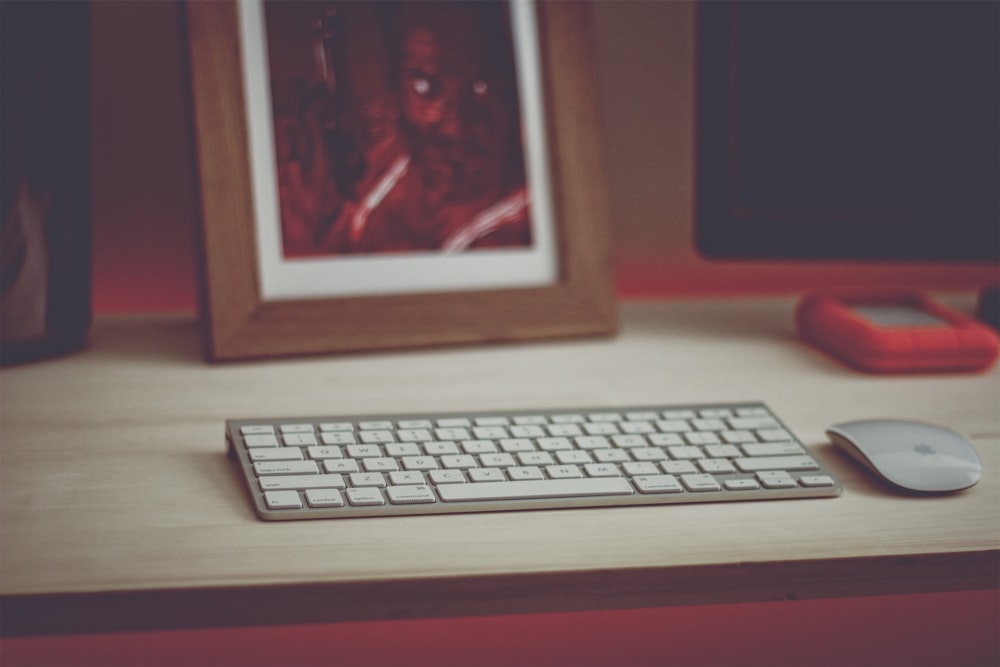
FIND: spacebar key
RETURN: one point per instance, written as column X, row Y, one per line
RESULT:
column 527, row 489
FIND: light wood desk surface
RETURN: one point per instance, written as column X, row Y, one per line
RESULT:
column 119, row 509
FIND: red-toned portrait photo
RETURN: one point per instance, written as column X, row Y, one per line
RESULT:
column 397, row 127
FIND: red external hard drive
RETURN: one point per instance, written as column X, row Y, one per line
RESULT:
column 895, row 333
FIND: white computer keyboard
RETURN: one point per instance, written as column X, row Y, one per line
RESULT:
column 389, row 465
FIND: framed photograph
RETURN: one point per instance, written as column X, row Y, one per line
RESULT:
column 390, row 175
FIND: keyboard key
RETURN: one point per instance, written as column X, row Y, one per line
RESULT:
column 380, row 425
column 637, row 427
column 364, row 497
column 492, row 421
column 678, row 467
column 286, row 468
column 398, row 449
column 643, row 468
column 657, row 484
column 363, row 451
column 751, row 423
column 296, row 428
column 722, row 451
column 548, row 488
column 776, row 479
column 814, row 481
column 554, row 444
column 283, row 500
column 459, row 461
column 377, row 437
column 602, row 470
column 602, row 428
column 367, row 479
column 338, row 438
column 410, row 494
column 776, row 463
column 286, row 482
column 336, row 426
column 686, row 452
column 512, row 445
column 486, row 475
column 325, row 453
column 498, row 460
column 440, row 448
column 573, row 456
column 446, row 476
column 402, row 477
column 626, row 441
column 419, row 463
column 416, row 423
column 702, row 438
column 568, row 419
column 299, row 439
column 530, row 420
column 324, row 498
column 276, row 454
column 257, row 430
column 456, row 433
column 479, row 447
column 611, row 455
column 708, row 424
column 716, row 466
column 700, row 483
column 525, row 472
column 535, row 458
column 342, row 466
column 489, row 432
column 383, row 464
column 741, row 484
column 460, row 422
column 564, row 430
column 563, row 471
column 592, row 442
column 414, row 435
column 665, row 439
column 260, row 440
column 772, row 449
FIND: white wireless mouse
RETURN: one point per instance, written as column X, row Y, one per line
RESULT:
column 912, row 455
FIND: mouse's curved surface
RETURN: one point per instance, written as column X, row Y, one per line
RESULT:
column 913, row 455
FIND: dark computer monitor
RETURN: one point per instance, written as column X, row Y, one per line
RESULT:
column 849, row 130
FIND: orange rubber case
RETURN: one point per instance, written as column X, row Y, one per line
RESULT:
column 958, row 342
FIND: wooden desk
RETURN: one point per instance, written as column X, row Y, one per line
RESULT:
column 119, row 509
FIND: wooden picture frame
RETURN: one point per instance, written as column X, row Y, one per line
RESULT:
column 241, row 324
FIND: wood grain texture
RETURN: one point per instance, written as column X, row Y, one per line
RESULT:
column 116, row 495
column 241, row 325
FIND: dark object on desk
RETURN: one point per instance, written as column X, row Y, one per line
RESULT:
column 911, row 455
column 45, row 199
column 810, row 150
column 895, row 333
column 988, row 308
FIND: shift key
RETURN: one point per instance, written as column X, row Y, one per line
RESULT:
column 287, row 482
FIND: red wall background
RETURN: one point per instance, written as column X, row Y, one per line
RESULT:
column 144, row 221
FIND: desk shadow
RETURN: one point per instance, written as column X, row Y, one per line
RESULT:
column 169, row 339
column 713, row 319
column 224, row 477
column 750, row 320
